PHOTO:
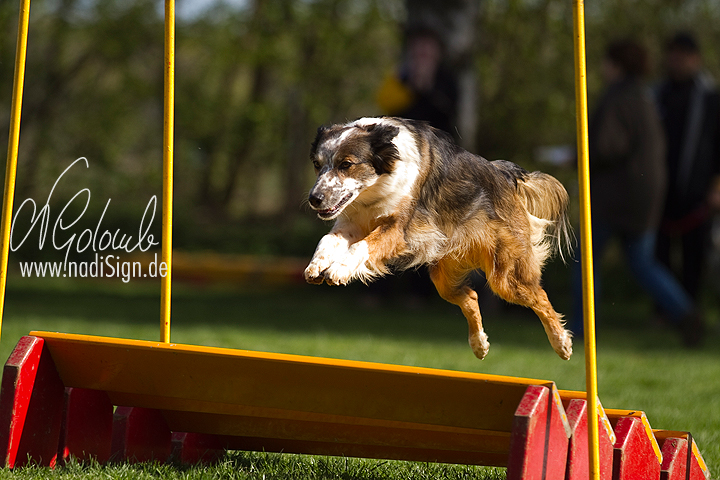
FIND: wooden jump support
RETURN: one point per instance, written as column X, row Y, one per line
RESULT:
column 55, row 403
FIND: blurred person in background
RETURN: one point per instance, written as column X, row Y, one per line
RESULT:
column 690, row 110
column 628, row 182
column 422, row 88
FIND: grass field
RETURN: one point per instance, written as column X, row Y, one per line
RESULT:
column 641, row 365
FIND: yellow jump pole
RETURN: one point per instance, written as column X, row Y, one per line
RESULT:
column 13, row 142
column 166, row 281
column 586, row 236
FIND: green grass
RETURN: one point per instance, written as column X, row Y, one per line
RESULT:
column 251, row 466
column 641, row 366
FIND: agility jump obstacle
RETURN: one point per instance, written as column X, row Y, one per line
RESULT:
column 65, row 395
column 55, row 403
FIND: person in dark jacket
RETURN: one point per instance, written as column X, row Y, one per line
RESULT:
column 423, row 88
column 628, row 178
column 690, row 111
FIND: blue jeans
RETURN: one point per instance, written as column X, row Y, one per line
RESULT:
column 652, row 275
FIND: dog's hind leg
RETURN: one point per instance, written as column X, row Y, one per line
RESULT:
column 517, row 280
column 560, row 339
column 449, row 279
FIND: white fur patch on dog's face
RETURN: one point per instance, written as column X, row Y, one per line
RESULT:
column 345, row 160
column 336, row 191
column 389, row 190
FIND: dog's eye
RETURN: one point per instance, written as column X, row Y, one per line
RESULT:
column 316, row 164
column 345, row 165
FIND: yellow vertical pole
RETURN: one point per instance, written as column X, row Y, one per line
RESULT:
column 13, row 143
column 168, row 131
column 586, row 236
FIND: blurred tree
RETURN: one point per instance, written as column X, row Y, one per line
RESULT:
column 255, row 81
column 270, row 74
column 91, row 73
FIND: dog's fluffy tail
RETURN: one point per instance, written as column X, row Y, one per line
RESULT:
column 546, row 200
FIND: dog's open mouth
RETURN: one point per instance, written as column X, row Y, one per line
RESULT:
column 330, row 212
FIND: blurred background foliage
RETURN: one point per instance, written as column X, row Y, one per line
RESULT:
column 255, row 79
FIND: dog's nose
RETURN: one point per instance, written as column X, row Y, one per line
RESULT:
column 316, row 199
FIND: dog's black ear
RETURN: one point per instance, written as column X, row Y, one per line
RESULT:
column 381, row 134
column 385, row 153
column 320, row 131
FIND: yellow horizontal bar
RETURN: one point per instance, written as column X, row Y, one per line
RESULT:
column 285, row 357
column 223, row 381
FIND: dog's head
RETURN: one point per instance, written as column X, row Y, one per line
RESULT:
column 349, row 159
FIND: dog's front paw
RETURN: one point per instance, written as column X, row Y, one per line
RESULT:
column 339, row 273
column 349, row 267
column 314, row 273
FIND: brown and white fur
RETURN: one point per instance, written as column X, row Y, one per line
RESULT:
column 404, row 194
